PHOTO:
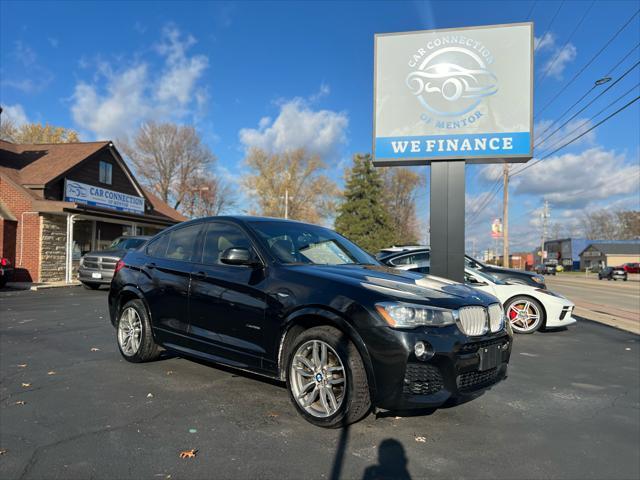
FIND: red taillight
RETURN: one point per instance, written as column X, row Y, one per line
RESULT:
column 119, row 266
column 5, row 262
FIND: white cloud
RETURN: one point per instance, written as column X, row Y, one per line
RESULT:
column 15, row 113
column 117, row 100
column 28, row 75
column 556, row 65
column 547, row 41
column 299, row 126
column 544, row 140
column 574, row 181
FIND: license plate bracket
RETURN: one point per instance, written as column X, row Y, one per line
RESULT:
column 96, row 275
column 490, row 357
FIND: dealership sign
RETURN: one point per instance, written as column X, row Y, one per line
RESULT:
column 454, row 94
column 102, row 197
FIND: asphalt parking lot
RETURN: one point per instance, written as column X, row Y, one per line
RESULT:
column 569, row 409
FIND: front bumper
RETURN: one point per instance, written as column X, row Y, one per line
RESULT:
column 405, row 382
column 90, row 275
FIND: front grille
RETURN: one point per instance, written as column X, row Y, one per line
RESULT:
column 474, row 347
column 473, row 380
column 473, row 320
column 100, row 263
column 496, row 317
column 422, row 379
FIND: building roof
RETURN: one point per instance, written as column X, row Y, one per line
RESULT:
column 630, row 248
column 31, row 165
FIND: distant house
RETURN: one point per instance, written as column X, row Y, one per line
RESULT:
column 58, row 201
column 599, row 255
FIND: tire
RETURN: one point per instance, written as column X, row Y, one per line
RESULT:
column 624, row 279
column 91, row 286
column 141, row 347
column 3, row 281
column 347, row 398
column 532, row 307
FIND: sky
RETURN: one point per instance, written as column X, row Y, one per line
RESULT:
column 299, row 74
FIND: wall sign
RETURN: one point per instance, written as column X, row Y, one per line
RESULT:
column 102, row 197
column 464, row 93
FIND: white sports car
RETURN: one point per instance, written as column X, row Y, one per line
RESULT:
column 527, row 308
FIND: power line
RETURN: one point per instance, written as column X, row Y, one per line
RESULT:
column 559, row 52
column 597, row 114
column 531, row 9
column 540, row 142
column 548, row 27
column 577, row 137
column 585, row 66
column 611, row 70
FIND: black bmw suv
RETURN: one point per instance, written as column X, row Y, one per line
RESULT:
column 304, row 305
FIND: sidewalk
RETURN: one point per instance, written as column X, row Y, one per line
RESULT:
column 40, row 286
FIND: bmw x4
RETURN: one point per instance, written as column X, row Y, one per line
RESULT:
column 302, row 304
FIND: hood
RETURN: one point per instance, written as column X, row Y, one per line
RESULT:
column 512, row 270
column 106, row 253
column 401, row 285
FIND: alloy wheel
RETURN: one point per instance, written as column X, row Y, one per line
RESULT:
column 129, row 331
column 318, row 379
column 523, row 315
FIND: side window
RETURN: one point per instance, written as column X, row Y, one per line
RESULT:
column 411, row 259
column 105, row 172
column 158, row 248
column 219, row 237
column 182, row 243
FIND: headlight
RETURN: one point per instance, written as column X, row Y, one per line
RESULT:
column 538, row 279
column 409, row 315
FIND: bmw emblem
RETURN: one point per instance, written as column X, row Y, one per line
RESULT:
column 318, row 377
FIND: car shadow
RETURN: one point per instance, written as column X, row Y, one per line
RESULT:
column 392, row 462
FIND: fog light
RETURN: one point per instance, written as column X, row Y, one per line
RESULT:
column 423, row 350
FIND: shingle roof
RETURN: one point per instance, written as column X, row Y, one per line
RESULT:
column 631, row 248
column 43, row 162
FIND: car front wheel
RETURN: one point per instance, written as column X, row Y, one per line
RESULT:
column 326, row 378
column 525, row 314
column 135, row 340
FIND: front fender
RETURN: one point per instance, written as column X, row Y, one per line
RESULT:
column 326, row 317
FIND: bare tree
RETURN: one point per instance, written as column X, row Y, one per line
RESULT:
column 401, row 188
column 207, row 197
column 608, row 225
column 293, row 176
column 167, row 158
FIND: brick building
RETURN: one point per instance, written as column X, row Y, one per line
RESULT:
column 59, row 201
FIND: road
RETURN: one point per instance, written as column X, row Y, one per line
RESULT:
column 569, row 409
column 615, row 303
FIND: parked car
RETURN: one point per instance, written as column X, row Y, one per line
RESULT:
column 527, row 308
column 96, row 268
column 613, row 273
column 417, row 259
column 6, row 271
column 631, row 267
column 301, row 304
column 546, row 269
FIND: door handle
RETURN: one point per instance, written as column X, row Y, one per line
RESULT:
column 150, row 266
column 200, row 275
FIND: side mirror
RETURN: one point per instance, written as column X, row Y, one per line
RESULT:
column 238, row 256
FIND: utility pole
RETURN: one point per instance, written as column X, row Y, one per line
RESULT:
column 286, row 203
column 545, row 215
column 505, row 216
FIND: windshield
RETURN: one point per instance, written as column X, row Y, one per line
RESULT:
column 470, row 262
column 126, row 243
column 488, row 277
column 299, row 243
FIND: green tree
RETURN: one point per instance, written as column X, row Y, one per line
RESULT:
column 362, row 216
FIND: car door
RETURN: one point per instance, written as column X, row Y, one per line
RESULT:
column 228, row 302
column 167, row 269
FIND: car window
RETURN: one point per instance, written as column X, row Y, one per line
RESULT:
column 218, row 238
column 411, row 259
column 180, row 244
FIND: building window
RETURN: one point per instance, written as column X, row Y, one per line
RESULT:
column 105, row 172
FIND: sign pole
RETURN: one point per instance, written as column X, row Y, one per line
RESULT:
column 447, row 191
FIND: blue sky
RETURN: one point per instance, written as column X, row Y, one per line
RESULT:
column 300, row 74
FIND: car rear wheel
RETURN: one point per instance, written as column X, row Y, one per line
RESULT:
column 525, row 314
column 326, row 378
column 135, row 340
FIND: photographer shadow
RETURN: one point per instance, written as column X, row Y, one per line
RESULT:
column 392, row 463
